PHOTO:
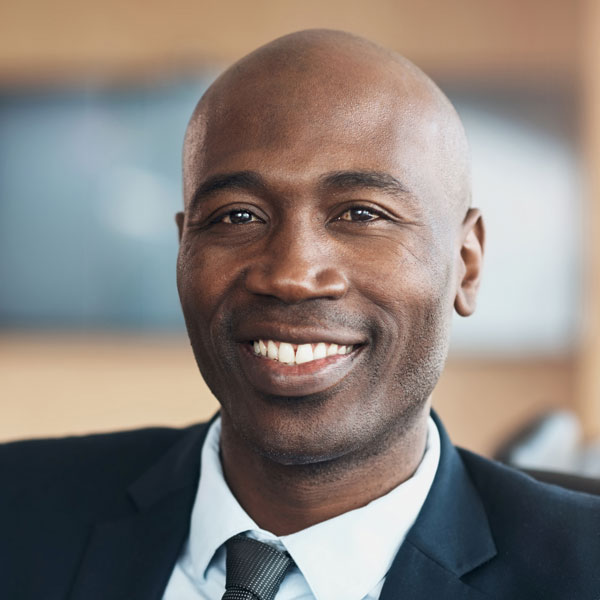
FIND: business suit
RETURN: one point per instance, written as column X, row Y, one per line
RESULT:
column 105, row 517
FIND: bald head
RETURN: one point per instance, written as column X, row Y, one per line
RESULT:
column 313, row 84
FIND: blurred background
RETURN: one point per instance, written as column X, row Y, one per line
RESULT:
column 94, row 100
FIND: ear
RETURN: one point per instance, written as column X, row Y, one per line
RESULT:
column 179, row 219
column 471, row 262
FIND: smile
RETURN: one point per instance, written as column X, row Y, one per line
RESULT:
column 299, row 367
column 298, row 354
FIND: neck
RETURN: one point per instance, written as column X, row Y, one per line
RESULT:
column 284, row 498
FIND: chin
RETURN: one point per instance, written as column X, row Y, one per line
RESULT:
column 297, row 452
column 309, row 432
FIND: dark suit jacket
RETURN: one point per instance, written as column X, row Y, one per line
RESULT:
column 105, row 517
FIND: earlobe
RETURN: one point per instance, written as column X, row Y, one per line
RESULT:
column 179, row 219
column 471, row 262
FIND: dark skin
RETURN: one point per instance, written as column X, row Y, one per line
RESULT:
column 327, row 200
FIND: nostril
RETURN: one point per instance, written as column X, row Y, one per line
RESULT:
column 296, row 283
column 334, row 281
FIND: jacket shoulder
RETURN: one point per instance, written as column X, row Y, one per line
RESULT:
column 546, row 536
column 506, row 489
column 59, row 472
column 55, row 491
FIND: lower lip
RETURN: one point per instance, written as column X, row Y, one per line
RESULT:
column 273, row 377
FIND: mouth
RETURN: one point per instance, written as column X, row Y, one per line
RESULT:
column 291, row 354
column 286, row 368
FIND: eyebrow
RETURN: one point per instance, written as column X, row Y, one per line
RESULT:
column 378, row 180
column 238, row 180
column 251, row 181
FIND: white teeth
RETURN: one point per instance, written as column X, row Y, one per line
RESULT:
column 320, row 351
column 272, row 350
column 263, row 348
column 304, row 354
column 286, row 353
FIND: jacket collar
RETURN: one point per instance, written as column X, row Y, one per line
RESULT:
column 450, row 538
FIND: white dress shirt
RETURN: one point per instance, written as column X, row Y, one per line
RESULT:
column 344, row 558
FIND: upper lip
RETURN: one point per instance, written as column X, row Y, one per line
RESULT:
column 297, row 335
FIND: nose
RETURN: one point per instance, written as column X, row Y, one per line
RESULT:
column 295, row 266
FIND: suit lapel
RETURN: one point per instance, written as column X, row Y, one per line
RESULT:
column 416, row 576
column 133, row 557
column 450, row 538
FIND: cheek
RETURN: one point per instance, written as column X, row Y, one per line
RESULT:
column 412, row 295
column 399, row 276
column 203, row 278
column 203, row 281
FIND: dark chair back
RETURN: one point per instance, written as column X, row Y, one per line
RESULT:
column 567, row 480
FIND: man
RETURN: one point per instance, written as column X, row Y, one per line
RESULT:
column 326, row 238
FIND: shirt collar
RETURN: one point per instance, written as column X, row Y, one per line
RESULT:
column 343, row 557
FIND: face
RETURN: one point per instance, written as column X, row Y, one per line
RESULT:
column 318, row 266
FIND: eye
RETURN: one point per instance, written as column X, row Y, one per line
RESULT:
column 239, row 216
column 359, row 214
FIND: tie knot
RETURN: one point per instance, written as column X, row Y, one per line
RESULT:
column 254, row 570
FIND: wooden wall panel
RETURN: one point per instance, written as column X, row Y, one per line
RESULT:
column 489, row 39
column 588, row 372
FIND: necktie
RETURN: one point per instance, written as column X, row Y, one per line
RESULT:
column 254, row 571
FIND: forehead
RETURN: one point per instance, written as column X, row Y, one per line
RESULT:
column 295, row 129
column 301, row 141
column 301, row 145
